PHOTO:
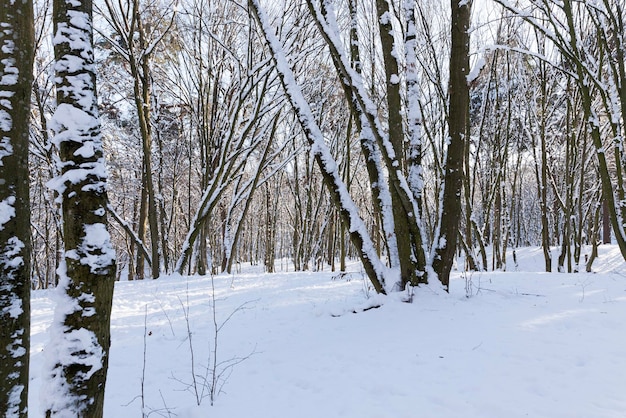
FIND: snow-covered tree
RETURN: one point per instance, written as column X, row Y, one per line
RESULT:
column 77, row 355
column 589, row 36
column 319, row 149
column 16, row 62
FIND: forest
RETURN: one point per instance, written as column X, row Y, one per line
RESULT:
column 142, row 138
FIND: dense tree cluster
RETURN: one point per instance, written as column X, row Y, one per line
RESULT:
column 294, row 135
column 210, row 165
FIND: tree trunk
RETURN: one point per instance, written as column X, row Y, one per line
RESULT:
column 541, row 170
column 406, row 256
column 142, row 225
column 78, row 353
column 446, row 242
column 143, row 95
column 595, row 239
column 16, row 73
column 404, row 206
column 339, row 194
column 270, row 232
column 606, row 222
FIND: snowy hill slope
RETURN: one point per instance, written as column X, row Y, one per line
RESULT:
column 523, row 344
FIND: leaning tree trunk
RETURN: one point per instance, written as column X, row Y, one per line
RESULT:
column 377, row 138
column 16, row 75
column 78, row 353
column 359, row 236
column 446, row 242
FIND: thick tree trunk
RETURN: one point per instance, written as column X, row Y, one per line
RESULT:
column 404, row 241
column 16, row 73
column 78, row 353
column 445, row 245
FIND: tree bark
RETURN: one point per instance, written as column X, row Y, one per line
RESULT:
column 446, row 242
column 16, row 75
column 78, row 353
column 404, row 240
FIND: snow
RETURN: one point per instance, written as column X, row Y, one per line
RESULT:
column 10, row 258
column 385, row 18
column 476, row 69
column 69, row 121
column 14, row 400
column 11, row 73
column 64, row 347
column 97, row 250
column 7, row 211
column 9, row 46
column 515, row 344
column 8, row 79
column 76, row 34
column 87, row 150
column 6, row 124
column 14, row 310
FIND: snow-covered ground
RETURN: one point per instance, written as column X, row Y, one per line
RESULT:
column 523, row 344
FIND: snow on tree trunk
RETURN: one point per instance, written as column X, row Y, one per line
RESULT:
column 415, row 177
column 16, row 61
column 409, row 265
column 414, row 117
column 349, row 213
column 371, row 124
column 381, row 194
column 77, row 354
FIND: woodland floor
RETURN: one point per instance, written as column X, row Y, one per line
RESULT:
column 520, row 343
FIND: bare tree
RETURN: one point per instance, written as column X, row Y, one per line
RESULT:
column 332, row 179
column 233, row 104
column 596, row 64
column 137, row 33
